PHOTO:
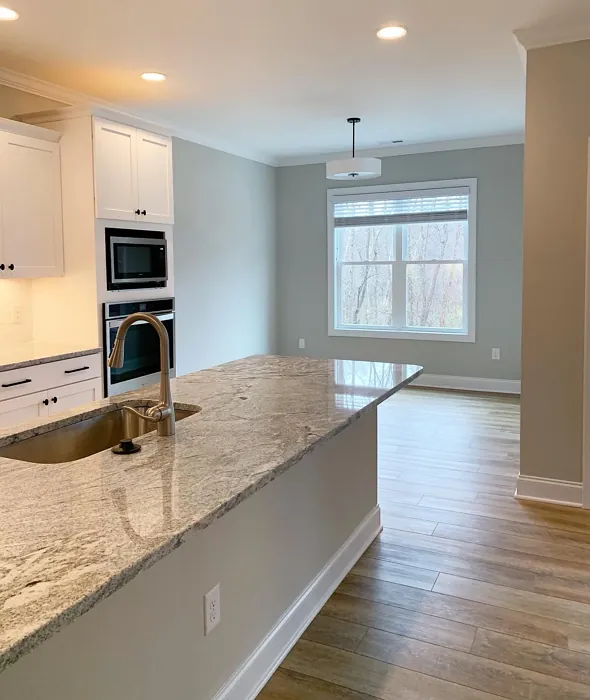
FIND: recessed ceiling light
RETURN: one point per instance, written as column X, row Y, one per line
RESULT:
column 7, row 15
column 154, row 77
column 392, row 32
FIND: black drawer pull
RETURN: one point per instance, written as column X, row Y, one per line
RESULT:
column 144, row 212
column 54, row 399
column 71, row 371
column 46, row 402
column 11, row 266
column 2, row 266
column 22, row 381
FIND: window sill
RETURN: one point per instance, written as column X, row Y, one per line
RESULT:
column 403, row 335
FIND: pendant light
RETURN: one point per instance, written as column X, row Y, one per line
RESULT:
column 353, row 168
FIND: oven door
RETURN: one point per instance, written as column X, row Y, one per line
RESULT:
column 141, row 365
column 136, row 260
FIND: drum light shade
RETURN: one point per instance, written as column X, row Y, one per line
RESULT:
column 353, row 169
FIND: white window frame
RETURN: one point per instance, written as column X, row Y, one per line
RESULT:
column 466, row 335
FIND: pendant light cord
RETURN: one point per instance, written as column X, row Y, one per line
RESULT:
column 353, row 138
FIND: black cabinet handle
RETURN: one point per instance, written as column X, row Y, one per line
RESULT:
column 22, row 381
column 54, row 399
column 79, row 369
column 137, row 212
column 144, row 212
column 46, row 402
column 2, row 266
column 11, row 267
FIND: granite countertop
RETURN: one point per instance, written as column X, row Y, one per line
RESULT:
column 28, row 354
column 73, row 533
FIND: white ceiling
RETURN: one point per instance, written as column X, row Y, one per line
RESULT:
column 277, row 78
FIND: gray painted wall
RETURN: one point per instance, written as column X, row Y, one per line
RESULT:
column 224, row 256
column 302, row 264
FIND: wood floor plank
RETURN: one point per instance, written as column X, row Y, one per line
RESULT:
column 553, row 661
column 377, row 679
column 519, row 512
column 470, row 612
column 523, row 601
column 400, row 573
column 540, row 532
column 467, row 670
column 514, row 543
column 442, row 477
column 423, row 527
column 391, row 486
column 340, row 633
column 288, row 685
column 388, row 541
column 408, row 623
column 398, row 497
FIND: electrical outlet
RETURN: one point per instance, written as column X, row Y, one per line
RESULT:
column 495, row 353
column 212, row 609
column 18, row 314
column 302, row 343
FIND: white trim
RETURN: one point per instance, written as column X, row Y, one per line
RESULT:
column 515, row 139
column 30, row 131
column 249, row 680
column 586, row 379
column 538, row 37
column 484, row 384
column 470, row 265
column 109, row 110
column 535, row 488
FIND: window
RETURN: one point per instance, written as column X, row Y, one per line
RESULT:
column 402, row 261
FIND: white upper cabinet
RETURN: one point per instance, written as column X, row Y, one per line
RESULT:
column 133, row 174
column 31, row 233
column 115, row 170
column 154, row 177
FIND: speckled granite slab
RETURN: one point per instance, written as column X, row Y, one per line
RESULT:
column 30, row 354
column 73, row 533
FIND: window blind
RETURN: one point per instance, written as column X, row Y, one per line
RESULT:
column 409, row 208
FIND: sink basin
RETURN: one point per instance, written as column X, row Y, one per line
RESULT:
column 85, row 438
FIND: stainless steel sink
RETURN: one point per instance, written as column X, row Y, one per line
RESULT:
column 85, row 438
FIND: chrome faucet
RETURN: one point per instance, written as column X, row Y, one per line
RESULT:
column 163, row 412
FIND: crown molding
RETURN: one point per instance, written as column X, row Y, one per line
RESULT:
column 410, row 149
column 539, row 37
column 79, row 103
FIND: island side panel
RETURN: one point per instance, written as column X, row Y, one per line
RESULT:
column 147, row 640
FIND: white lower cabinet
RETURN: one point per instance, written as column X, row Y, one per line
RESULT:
column 23, row 409
column 74, row 395
column 48, row 403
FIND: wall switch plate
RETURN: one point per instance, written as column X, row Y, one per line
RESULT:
column 495, row 353
column 302, row 343
column 212, row 609
column 18, row 314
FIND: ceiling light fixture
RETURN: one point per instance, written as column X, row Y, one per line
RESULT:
column 392, row 31
column 353, row 168
column 7, row 15
column 154, row 77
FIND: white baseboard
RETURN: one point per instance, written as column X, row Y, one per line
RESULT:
column 534, row 488
column 251, row 677
column 444, row 381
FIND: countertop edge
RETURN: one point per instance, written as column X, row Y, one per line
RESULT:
column 117, row 581
column 45, row 359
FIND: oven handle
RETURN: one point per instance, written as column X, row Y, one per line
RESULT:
column 162, row 317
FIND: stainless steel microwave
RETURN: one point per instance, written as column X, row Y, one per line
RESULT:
column 136, row 259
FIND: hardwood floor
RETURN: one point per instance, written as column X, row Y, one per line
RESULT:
column 467, row 594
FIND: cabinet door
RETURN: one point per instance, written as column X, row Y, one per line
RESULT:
column 115, row 171
column 31, row 233
column 73, row 395
column 154, row 178
column 22, row 409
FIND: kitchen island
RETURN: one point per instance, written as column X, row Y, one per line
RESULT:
column 269, row 490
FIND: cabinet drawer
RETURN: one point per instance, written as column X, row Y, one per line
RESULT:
column 28, row 380
column 76, row 369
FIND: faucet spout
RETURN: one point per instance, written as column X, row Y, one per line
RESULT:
column 163, row 412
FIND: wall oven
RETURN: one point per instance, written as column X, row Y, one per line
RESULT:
column 142, row 346
column 136, row 259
